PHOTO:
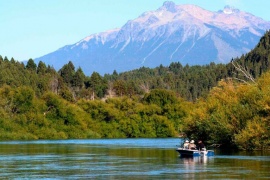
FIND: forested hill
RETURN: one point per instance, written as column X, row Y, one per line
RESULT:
column 208, row 102
column 256, row 61
column 189, row 82
column 192, row 82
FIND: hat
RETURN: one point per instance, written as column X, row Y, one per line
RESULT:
column 186, row 141
column 192, row 141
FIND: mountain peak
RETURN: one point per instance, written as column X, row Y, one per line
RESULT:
column 169, row 6
column 186, row 33
column 230, row 10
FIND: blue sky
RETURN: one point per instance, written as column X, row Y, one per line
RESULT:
column 33, row 28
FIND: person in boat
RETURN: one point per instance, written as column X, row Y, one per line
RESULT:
column 201, row 146
column 192, row 145
column 186, row 144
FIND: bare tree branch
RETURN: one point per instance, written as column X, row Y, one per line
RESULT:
column 145, row 87
column 244, row 72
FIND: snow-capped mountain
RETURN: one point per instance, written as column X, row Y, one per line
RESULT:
column 173, row 33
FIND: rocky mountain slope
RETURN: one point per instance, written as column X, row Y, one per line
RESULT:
column 173, row 33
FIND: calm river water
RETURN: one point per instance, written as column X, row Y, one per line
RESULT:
column 123, row 159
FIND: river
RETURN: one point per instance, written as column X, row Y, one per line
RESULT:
column 123, row 159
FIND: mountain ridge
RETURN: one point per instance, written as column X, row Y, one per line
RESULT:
column 185, row 33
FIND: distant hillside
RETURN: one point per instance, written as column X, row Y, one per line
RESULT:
column 189, row 82
column 192, row 82
column 173, row 33
column 256, row 61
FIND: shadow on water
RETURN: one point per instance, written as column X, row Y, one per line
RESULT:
column 231, row 152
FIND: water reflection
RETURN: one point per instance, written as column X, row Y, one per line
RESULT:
column 122, row 159
column 203, row 160
column 195, row 167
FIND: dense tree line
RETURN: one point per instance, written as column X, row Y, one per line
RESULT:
column 233, row 115
column 217, row 103
column 190, row 82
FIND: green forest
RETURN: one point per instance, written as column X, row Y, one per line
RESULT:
column 227, row 104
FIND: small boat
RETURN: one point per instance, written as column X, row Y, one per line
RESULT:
column 194, row 152
column 189, row 149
